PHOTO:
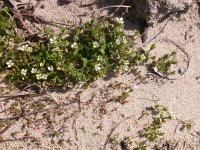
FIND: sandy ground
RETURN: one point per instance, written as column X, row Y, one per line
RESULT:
column 89, row 120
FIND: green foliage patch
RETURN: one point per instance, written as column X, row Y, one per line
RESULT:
column 6, row 36
column 80, row 55
column 85, row 54
column 152, row 131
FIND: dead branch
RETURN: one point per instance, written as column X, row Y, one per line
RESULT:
column 117, row 8
column 113, row 6
column 15, row 95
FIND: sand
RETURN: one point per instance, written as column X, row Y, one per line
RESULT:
column 90, row 121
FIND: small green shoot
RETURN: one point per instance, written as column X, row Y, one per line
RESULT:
column 187, row 125
column 141, row 146
column 163, row 64
column 152, row 130
column 123, row 97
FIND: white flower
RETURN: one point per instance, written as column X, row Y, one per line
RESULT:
column 22, row 48
column 26, row 48
column 41, row 64
column 126, row 63
column 39, row 76
column 74, row 45
column 33, row 70
column 97, row 67
column 9, row 63
column 125, row 40
column 50, row 68
column 99, row 58
column 29, row 49
column 70, row 85
column 95, row 44
column 119, row 20
column 173, row 116
column 44, row 76
column 125, row 68
column 118, row 42
column 24, row 71
column 81, row 83
column 53, row 40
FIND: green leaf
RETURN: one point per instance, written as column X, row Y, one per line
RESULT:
column 85, row 61
column 153, row 46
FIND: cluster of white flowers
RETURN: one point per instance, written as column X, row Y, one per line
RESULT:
column 9, row 63
column 25, row 48
column 95, row 44
column 119, row 20
column 41, row 76
column 125, row 66
column 53, row 40
column 97, row 67
column 74, row 45
column 23, row 71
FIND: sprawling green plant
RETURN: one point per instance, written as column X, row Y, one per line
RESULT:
column 163, row 64
column 79, row 55
column 152, row 131
column 86, row 53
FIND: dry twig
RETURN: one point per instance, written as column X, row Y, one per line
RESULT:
column 113, row 6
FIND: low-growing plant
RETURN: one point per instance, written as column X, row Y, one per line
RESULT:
column 85, row 54
column 114, row 141
column 151, row 131
column 141, row 146
column 187, row 125
column 80, row 55
column 123, row 97
column 162, row 65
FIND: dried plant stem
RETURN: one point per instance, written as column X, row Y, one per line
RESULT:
column 113, row 6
